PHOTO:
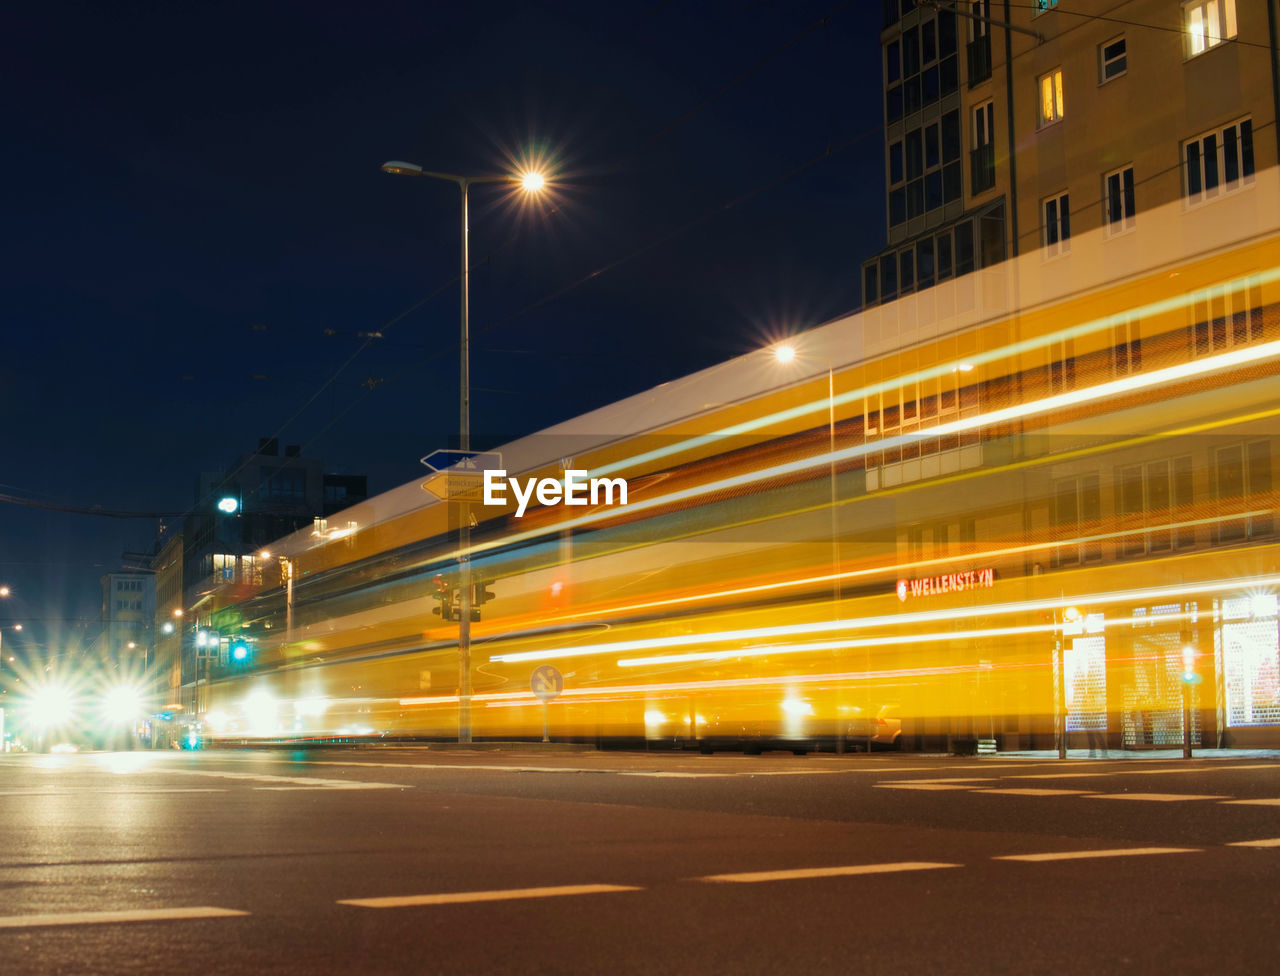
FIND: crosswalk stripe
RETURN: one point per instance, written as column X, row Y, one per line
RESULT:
column 463, row 897
column 1034, row 791
column 106, row 918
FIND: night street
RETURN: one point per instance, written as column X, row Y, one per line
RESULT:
column 420, row 860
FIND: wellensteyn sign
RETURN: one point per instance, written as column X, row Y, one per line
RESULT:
column 973, row 579
column 574, row 489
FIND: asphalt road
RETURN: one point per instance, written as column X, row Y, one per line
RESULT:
column 413, row 860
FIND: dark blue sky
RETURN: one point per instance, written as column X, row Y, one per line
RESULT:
column 197, row 232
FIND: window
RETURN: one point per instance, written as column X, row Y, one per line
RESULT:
column 982, row 162
column 1076, row 509
column 921, row 66
column 1218, row 162
column 979, row 47
column 1147, row 495
column 924, row 169
column 1126, row 353
column 1112, row 60
column 1118, row 205
column 1050, row 101
column 1040, row 6
column 1062, row 366
column 1225, row 318
column 1207, row 23
column 1057, row 225
column 1240, row 471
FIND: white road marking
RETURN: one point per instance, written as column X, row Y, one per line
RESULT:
column 922, row 786
column 285, row 782
column 1078, row 855
column 1268, row 842
column 1036, row 792
column 106, row 918
column 74, row 791
column 1156, row 797
column 463, row 897
column 752, row 877
column 1266, row 802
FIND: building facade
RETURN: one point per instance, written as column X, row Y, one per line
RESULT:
column 1012, row 128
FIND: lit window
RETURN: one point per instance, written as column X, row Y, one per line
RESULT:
column 1040, row 6
column 1113, row 60
column 1057, row 224
column 1208, row 23
column 1218, row 162
column 1118, row 203
column 1051, row 105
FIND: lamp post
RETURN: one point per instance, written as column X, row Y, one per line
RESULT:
column 532, row 182
column 785, row 353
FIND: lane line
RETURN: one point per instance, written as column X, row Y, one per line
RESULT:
column 464, row 897
column 921, row 786
column 1036, row 792
column 752, row 877
column 310, row 782
column 1268, row 842
column 1157, row 797
column 1264, row 802
column 107, row 918
column 1079, row 855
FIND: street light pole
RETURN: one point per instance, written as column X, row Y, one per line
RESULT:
column 531, row 182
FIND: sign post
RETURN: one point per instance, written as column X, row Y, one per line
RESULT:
column 546, row 683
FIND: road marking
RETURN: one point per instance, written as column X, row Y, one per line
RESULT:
column 137, row 790
column 922, row 786
column 1076, row 855
column 462, row 897
column 1266, row 802
column 1269, row 842
column 290, row 782
column 106, row 918
column 1156, row 797
column 1036, row 792
column 752, row 877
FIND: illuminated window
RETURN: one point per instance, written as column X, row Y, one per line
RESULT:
column 1112, row 60
column 1050, row 101
column 1040, row 6
column 1119, row 209
column 1218, row 162
column 1056, row 211
column 1207, row 23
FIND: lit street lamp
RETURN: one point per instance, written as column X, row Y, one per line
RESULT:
column 531, row 182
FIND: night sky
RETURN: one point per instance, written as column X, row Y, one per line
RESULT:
column 198, row 239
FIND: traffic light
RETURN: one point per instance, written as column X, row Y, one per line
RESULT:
column 240, row 653
column 442, row 592
column 480, row 592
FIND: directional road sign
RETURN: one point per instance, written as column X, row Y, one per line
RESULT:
column 547, row 682
column 443, row 460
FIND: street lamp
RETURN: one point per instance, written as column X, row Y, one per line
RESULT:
column 531, row 182
column 786, row 353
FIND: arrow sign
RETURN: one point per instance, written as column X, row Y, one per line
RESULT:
column 443, row 460
column 547, row 682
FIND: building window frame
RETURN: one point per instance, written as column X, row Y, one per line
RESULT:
column 1218, row 162
column 1050, row 99
column 1113, row 59
column 1119, row 207
column 1055, row 227
column 1207, row 24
